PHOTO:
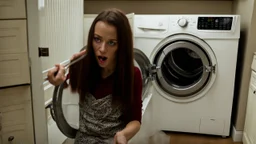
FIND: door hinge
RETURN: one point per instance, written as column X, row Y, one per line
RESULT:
column 43, row 51
column 210, row 68
column 152, row 71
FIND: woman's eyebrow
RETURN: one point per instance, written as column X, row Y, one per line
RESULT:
column 113, row 39
column 97, row 35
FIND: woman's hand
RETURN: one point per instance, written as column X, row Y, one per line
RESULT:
column 120, row 138
column 77, row 55
column 57, row 76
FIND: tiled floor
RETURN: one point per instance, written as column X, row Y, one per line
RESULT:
column 183, row 138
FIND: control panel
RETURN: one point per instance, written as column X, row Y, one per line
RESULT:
column 214, row 23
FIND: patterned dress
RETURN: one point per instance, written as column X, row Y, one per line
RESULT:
column 99, row 121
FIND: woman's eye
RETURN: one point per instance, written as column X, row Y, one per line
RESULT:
column 96, row 39
column 111, row 43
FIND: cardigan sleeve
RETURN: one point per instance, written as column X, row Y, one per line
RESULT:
column 137, row 104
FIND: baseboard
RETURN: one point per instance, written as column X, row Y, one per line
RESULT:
column 237, row 136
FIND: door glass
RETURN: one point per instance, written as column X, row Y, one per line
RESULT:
column 70, row 107
column 184, row 68
column 65, row 110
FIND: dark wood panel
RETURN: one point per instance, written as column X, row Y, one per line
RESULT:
column 162, row 7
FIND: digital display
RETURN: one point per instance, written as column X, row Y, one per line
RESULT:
column 214, row 23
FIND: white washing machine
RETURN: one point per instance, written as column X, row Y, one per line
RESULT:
column 191, row 62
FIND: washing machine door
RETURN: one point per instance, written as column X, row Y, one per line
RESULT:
column 64, row 108
column 142, row 62
column 187, row 66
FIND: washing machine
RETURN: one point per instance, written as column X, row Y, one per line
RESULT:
column 191, row 64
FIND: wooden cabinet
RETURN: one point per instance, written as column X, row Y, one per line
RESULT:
column 14, row 62
column 249, row 114
column 16, row 121
column 249, row 136
column 10, row 9
column 14, row 135
column 14, row 69
column 16, row 115
column 13, row 36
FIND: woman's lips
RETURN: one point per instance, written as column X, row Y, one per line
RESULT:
column 102, row 59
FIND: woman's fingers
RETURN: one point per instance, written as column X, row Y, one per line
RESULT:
column 83, row 52
column 61, row 74
column 50, row 74
column 77, row 55
column 57, row 75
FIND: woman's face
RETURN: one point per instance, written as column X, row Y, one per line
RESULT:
column 105, row 44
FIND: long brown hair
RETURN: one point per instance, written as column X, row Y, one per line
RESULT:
column 84, row 78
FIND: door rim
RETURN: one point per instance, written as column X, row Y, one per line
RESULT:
column 59, row 117
column 188, row 90
column 143, row 61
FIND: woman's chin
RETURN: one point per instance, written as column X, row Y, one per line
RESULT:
column 102, row 65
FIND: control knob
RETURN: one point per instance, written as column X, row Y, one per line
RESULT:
column 182, row 22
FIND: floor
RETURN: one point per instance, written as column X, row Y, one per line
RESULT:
column 182, row 138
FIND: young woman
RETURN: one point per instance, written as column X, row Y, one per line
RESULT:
column 109, row 84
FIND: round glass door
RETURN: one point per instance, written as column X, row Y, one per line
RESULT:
column 65, row 110
column 185, row 68
column 142, row 62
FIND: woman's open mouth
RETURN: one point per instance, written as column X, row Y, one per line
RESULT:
column 102, row 59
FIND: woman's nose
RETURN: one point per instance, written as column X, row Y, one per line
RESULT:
column 103, row 47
